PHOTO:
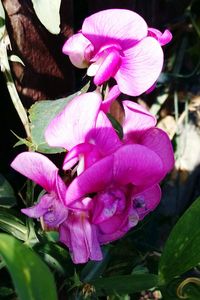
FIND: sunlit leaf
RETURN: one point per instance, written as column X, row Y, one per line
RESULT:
column 7, row 197
column 182, row 249
column 2, row 21
column 48, row 12
column 31, row 277
column 40, row 114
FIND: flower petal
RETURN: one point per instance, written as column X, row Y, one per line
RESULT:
column 140, row 68
column 150, row 199
column 92, row 180
column 75, row 47
column 163, row 38
column 138, row 165
column 112, row 95
column 108, row 67
column 72, row 156
column 81, row 238
column 110, row 26
column 38, row 168
column 71, row 126
column 39, row 209
column 137, row 119
column 104, row 135
column 158, row 141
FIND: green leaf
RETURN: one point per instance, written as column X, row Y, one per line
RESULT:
column 31, row 277
column 40, row 114
column 7, row 197
column 12, row 224
column 182, row 249
column 2, row 21
column 116, row 125
column 48, row 12
column 125, row 284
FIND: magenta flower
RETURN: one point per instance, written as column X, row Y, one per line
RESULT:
column 75, row 229
column 42, row 171
column 124, row 49
column 126, row 188
column 84, row 130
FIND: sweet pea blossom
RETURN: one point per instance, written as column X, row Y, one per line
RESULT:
column 42, row 171
column 75, row 230
column 117, row 43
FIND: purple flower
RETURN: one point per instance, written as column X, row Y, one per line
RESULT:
column 51, row 206
column 75, row 229
column 124, row 49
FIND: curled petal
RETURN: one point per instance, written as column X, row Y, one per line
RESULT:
column 140, row 68
column 75, row 47
column 38, row 168
column 138, row 165
column 137, row 119
column 108, row 67
column 71, row 126
column 112, row 95
column 72, row 156
column 163, row 38
column 158, row 141
column 120, row 26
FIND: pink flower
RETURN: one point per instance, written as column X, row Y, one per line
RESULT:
column 84, row 130
column 42, row 171
column 126, row 188
column 75, row 229
column 116, row 43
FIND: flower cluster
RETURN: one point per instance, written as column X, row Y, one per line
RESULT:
column 114, row 181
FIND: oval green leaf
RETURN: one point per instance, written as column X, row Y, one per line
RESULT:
column 40, row 115
column 182, row 249
column 31, row 277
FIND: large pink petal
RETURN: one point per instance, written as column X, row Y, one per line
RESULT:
column 38, row 168
column 136, row 120
column 94, row 179
column 75, row 47
column 111, row 26
column 140, row 68
column 71, row 126
column 158, row 141
column 146, row 201
column 138, row 165
column 104, row 135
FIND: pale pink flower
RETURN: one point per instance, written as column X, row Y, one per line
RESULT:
column 116, row 43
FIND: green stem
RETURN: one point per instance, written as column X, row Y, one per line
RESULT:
column 5, row 67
